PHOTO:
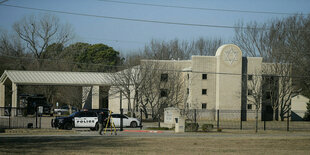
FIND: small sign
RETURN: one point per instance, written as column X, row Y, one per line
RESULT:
column 40, row 109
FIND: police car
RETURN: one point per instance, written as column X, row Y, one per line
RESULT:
column 81, row 119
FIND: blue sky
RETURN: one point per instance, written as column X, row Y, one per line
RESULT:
column 130, row 36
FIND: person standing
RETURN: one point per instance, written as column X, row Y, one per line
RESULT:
column 101, row 122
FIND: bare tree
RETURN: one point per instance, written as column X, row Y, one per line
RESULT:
column 278, row 82
column 10, row 45
column 282, row 42
column 163, row 87
column 207, row 46
column 128, row 81
column 175, row 49
column 39, row 32
column 255, row 85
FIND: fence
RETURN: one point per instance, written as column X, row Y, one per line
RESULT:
column 246, row 120
column 18, row 118
column 225, row 119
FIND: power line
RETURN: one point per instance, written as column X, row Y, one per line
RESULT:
column 121, row 18
column 116, row 40
column 158, row 69
column 198, row 8
column 140, row 20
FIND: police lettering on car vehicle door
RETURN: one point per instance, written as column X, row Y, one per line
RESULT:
column 86, row 119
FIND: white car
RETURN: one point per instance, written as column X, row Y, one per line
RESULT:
column 127, row 121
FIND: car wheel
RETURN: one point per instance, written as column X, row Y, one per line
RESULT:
column 68, row 126
column 133, row 124
column 52, row 123
column 97, row 127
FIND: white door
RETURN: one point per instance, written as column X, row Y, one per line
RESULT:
column 116, row 120
column 78, row 119
column 86, row 119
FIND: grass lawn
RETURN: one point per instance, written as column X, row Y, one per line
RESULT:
column 155, row 145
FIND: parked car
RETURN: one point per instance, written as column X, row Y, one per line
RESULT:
column 81, row 119
column 127, row 121
column 64, row 109
column 104, row 110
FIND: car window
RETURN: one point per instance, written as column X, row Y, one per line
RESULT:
column 80, row 114
column 115, row 116
column 124, row 116
column 90, row 114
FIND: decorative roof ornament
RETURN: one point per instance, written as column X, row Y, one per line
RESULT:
column 231, row 55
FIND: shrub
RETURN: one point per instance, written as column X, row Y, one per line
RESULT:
column 207, row 127
column 307, row 113
column 191, row 127
column 219, row 129
column 159, row 128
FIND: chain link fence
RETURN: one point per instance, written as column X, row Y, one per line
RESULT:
column 246, row 120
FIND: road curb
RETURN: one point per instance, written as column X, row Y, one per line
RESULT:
column 146, row 131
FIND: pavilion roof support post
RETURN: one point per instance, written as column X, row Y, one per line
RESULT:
column 86, row 97
column 2, row 99
column 95, row 97
column 14, row 99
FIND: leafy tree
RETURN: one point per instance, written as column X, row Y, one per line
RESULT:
column 53, row 51
column 106, row 58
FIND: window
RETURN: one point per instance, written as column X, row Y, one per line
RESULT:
column 90, row 114
column 164, row 77
column 187, row 90
column 163, row 93
column 250, row 92
column 187, row 76
column 204, row 76
column 249, row 106
column 250, row 77
column 204, row 91
column 204, row 106
column 80, row 114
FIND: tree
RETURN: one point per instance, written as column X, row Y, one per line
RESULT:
column 279, row 82
column 283, row 43
column 38, row 32
column 255, row 85
column 175, row 49
column 106, row 57
column 163, row 86
column 307, row 113
column 10, row 45
column 207, row 46
column 128, row 81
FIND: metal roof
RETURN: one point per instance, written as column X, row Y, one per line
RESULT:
column 55, row 77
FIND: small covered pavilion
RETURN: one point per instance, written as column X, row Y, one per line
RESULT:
column 91, row 83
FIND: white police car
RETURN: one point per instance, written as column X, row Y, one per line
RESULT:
column 81, row 119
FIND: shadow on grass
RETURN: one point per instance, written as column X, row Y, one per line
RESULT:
column 66, row 143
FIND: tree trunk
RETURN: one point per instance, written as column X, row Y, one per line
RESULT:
column 274, row 115
column 158, row 120
column 145, row 113
column 129, row 104
column 256, row 120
